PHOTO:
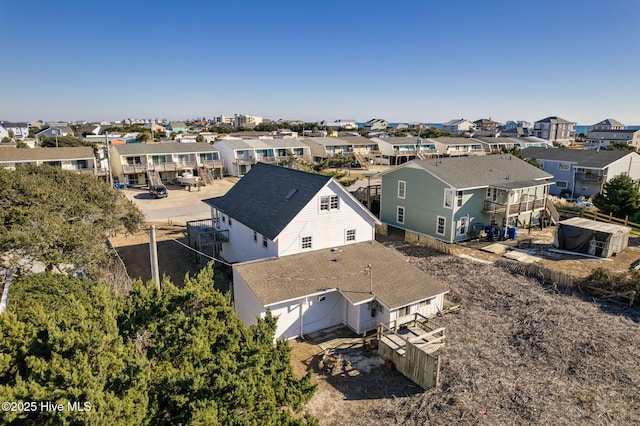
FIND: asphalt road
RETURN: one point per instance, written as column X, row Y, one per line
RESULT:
column 181, row 205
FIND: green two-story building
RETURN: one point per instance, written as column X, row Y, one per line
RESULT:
column 448, row 197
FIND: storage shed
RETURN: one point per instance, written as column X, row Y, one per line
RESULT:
column 591, row 237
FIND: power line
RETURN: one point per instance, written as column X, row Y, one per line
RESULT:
column 201, row 253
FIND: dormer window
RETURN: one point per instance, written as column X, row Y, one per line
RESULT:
column 329, row 202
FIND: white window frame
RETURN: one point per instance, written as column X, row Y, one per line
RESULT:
column 404, row 212
column 350, row 235
column 424, row 303
column 459, row 198
column 306, row 242
column 564, row 182
column 444, row 225
column 447, row 203
column 465, row 220
column 402, row 189
column 329, row 203
column 255, row 237
column 564, row 166
column 265, row 242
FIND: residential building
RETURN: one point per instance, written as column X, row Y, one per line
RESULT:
column 578, row 172
column 394, row 151
column 78, row 159
column 455, row 147
column 176, row 127
column 307, row 253
column 53, row 131
column 20, row 130
column 497, row 145
column 131, row 163
column 556, row 130
column 607, row 124
column 486, row 127
column 446, row 198
column 239, row 155
column 276, row 211
column 323, row 148
column 340, row 123
column 458, row 126
column 376, row 124
column 359, row 286
column 609, row 131
column 4, row 132
column 242, row 120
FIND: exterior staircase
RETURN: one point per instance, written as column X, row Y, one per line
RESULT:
column 153, row 178
column 551, row 211
column 205, row 175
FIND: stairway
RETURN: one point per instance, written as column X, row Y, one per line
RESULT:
column 153, row 178
column 551, row 211
column 205, row 175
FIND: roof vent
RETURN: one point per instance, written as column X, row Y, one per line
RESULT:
column 290, row 194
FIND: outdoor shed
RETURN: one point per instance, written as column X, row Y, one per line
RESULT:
column 591, row 237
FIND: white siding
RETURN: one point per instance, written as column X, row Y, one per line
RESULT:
column 427, row 311
column 353, row 317
column 316, row 315
column 246, row 303
column 327, row 228
column 241, row 246
column 630, row 164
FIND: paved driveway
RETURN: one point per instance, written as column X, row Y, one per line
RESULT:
column 181, row 205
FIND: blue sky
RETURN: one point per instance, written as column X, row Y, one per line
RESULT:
column 427, row 61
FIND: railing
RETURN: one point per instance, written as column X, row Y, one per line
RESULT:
column 514, row 208
column 163, row 167
column 134, row 168
column 589, row 177
column 186, row 165
column 245, row 161
column 213, row 164
column 600, row 217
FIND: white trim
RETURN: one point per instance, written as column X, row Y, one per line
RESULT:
column 404, row 211
column 451, row 197
column 404, row 189
column 444, row 225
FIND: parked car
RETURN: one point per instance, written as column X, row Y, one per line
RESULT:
column 355, row 165
column 158, row 191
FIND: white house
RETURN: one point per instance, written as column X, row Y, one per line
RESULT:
column 307, row 253
column 274, row 211
column 358, row 285
column 458, row 126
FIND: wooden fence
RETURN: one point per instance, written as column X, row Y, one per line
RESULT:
column 561, row 280
column 600, row 217
column 423, row 240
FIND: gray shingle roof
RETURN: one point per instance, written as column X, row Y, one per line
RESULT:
column 582, row 157
column 163, row 148
column 609, row 122
column 259, row 200
column 46, row 154
column 481, row 171
column 554, row 119
column 395, row 282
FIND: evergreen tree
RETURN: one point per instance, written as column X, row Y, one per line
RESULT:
column 620, row 197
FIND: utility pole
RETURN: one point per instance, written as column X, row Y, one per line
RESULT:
column 109, row 177
column 153, row 256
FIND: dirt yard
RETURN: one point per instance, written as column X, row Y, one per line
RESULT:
column 174, row 260
column 516, row 353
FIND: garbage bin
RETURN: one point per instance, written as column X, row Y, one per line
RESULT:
column 513, row 233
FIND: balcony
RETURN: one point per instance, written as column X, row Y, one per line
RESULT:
column 245, row 161
column 163, row 167
column 213, row 164
column 589, row 177
column 133, row 169
column 186, row 165
column 524, row 206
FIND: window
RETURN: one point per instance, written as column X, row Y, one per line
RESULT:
column 335, row 202
column 459, row 195
column 224, row 219
column 488, row 192
column 561, row 184
column 564, row 166
column 400, row 215
column 351, row 234
column 424, row 303
column 404, row 311
column 229, row 221
column 440, row 228
column 329, row 202
column 255, row 237
column 265, row 244
column 402, row 189
column 463, row 224
column 448, row 198
column 306, row 243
